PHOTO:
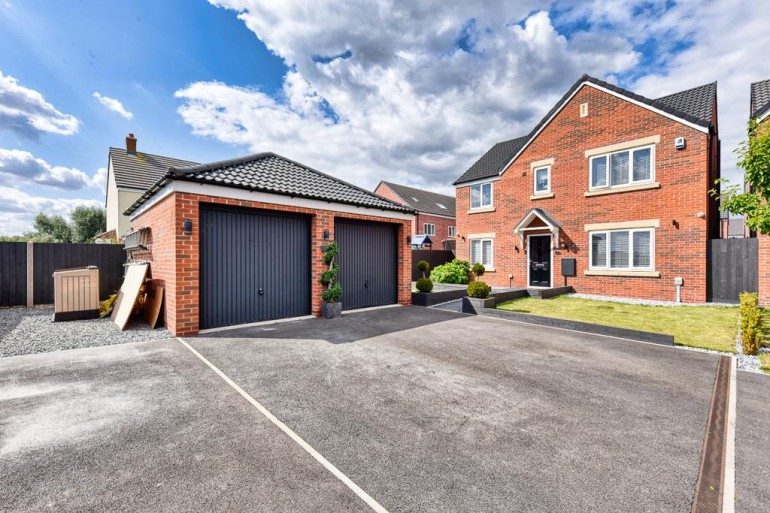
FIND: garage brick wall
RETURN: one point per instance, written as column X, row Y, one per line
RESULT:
column 764, row 270
column 174, row 256
column 680, row 251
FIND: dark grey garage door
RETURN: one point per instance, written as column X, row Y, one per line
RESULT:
column 254, row 264
column 368, row 258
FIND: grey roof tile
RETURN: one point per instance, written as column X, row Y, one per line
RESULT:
column 271, row 173
column 760, row 97
column 693, row 105
column 140, row 170
column 424, row 201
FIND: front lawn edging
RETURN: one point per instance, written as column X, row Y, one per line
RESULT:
column 585, row 327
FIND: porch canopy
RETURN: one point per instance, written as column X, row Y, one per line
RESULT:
column 537, row 219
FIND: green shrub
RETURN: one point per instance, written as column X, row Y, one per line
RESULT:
column 333, row 291
column 478, row 269
column 423, row 267
column 751, row 323
column 478, row 289
column 424, row 285
column 332, row 294
column 455, row 271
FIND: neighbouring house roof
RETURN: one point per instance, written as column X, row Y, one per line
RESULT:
column 271, row 173
column 760, row 98
column 424, row 201
column 140, row 170
column 695, row 106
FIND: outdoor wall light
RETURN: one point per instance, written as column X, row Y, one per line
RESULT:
column 408, row 239
column 326, row 234
column 675, row 223
column 187, row 226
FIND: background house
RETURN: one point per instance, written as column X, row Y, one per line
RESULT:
column 609, row 183
column 129, row 174
column 435, row 213
column 759, row 109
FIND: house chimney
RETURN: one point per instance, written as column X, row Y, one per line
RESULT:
column 130, row 144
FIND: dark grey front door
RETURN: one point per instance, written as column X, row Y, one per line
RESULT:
column 368, row 259
column 254, row 266
column 540, row 261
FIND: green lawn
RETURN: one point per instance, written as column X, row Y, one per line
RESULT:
column 696, row 326
column 764, row 362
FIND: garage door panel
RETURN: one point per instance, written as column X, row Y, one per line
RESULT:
column 255, row 266
column 368, row 259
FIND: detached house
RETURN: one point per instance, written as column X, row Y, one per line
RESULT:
column 435, row 213
column 129, row 174
column 608, row 194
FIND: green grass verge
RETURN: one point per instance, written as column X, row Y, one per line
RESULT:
column 764, row 362
column 695, row 326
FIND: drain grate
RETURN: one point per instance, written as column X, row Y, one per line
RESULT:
column 709, row 489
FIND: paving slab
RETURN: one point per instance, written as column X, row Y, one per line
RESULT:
column 146, row 427
column 429, row 410
column 752, row 443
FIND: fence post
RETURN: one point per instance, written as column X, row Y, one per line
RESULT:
column 30, row 275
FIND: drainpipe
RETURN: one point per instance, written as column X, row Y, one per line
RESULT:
column 678, row 282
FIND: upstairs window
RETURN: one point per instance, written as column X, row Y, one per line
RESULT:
column 481, row 195
column 451, row 232
column 542, row 180
column 623, row 168
column 429, row 229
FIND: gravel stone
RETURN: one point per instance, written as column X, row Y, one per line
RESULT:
column 648, row 302
column 32, row 330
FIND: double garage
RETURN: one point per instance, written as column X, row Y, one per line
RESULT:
column 231, row 248
column 255, row 265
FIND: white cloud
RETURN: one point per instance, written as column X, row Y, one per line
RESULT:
column 113, row 105
column 18, row 209
column 18, row 166
column 27, row 113
column 408, row 102
column 99, row 180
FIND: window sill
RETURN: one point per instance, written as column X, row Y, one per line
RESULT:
column 541, row 196
column 481, row 210
column 631, row 274
column 630, row 188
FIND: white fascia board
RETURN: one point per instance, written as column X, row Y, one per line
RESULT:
column 613, row 93
column 434, row 215
column 476, row 182
column 219, row 191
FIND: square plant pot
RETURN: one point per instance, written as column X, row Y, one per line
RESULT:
column 474, row 305
column 331, row 310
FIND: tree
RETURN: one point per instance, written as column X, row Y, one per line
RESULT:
column 87, row 222
column 754, row 159
column 51, row 229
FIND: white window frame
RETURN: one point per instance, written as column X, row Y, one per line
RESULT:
column 451, row 231
column 429, row 231
column 534, row 180
column 608, row 171
column 481, row 195
column 608, row 265
column 491, row 264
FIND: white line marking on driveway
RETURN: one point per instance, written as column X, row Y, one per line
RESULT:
column 728, row 496
column 294, row 436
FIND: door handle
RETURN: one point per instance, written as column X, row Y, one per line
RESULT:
column 261, row 292
column 366, row 284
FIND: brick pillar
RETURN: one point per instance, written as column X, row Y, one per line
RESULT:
column 764, row 270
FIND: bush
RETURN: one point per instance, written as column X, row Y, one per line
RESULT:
column 478, row 269
column 424, row 285
column 479, row 289
column 455, row 271
column 332, row 294
column 333, row 291
column 423, row 267
column 751, row 323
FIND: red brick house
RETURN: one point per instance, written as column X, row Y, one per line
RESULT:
column 609, row 181
column 435, row 213
column 760, row 110
column 242, row 241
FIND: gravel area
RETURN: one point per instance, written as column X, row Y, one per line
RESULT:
column 32, row 330
column 648, row 302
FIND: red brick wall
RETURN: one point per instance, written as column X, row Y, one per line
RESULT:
column 680, row 251
column 764, row 270
column 442, row 226
column 174, row 256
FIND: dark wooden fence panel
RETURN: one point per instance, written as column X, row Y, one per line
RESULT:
column 433, row 256
column 48, row 257
column 732, row 269
column 13, row 273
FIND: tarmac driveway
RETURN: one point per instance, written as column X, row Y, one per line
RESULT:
column 424, row 410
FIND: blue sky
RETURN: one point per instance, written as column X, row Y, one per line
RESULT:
column 364, row 90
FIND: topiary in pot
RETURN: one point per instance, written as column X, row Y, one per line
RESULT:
column 331, row 306
column 423, row 267
column 479, row 289
column 478, row 269
column 424, row 285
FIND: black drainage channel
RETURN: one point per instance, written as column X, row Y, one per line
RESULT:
column 709, row 489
